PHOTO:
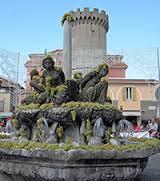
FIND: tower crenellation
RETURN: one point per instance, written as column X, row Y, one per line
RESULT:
column 90, row 17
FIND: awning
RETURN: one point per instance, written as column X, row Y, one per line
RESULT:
column 131, row 113
column 6, row 114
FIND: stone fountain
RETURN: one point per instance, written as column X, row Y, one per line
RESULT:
column 64, row 129
column 68, row 130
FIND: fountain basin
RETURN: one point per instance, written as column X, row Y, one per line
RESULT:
column 73, row 165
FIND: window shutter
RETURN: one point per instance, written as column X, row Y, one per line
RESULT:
column 124, row 91
column 133, row 93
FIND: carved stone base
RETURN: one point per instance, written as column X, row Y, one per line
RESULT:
column 73, row 165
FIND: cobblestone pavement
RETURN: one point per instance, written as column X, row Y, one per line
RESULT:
column 152, row 171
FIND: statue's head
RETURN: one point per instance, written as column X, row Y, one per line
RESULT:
column 102, row 70
column 48, row 62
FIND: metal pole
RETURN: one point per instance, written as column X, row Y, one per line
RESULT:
column 158, row 92
column 17, row 79
column 158, row 64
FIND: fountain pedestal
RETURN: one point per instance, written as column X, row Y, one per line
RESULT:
column 72, row 165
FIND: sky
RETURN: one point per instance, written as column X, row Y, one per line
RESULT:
column 31, row 26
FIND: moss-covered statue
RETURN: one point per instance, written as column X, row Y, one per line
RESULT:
column 50, row 86
column 92, row 87
column 37, row 83
column 54, row 81
column 50, row 71
column 80, row 103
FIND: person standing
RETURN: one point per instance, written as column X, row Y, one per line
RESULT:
column 138, row 127
column 152, row 127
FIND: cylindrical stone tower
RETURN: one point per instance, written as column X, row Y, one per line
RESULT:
column 89, row 30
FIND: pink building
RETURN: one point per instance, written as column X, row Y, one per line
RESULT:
column 117, row 68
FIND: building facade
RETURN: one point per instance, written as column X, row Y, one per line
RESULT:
column 8, row 95
column 135, row 97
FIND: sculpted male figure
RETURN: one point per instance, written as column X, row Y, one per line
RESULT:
column 92, row 88
column 56, row 75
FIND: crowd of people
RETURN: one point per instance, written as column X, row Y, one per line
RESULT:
column 153, row 127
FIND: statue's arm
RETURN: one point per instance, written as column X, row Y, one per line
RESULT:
column 62, row 76
column 86, row 78
column 36, row 86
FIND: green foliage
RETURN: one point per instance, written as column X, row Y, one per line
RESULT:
column 48, row 85
column 61, row 88
column 3, row 136
column 33, row 70
column 101, row 66
column 39, row 123
column 53, row 91
column 59, row 131
column 67, row 17
column 38, row 77
column 29, row 106
column 32, row 145
column 34, row 95
column 69, row 141
column 88, row 105
column 47, row 58
column 40, row 85
column 48, row 90
column 104, row 79
column 12, row 145
column 59, row 69
column 39, row 133
column 88, row 130
column 146, row 143
column 73, row 115
column 49, row 80
column 78, row 75
column 58, row 89
column 33, row 73
column 52, row 147
column 23, row 131
column 15, row 123
column 47, row 105
column 108, row 134
column 36, row 135
column 68, row 145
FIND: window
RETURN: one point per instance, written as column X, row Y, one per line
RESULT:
column 129, row 93
column 1, row 106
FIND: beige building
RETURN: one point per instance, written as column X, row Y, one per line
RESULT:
column 8, row 95
column 135, row 97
